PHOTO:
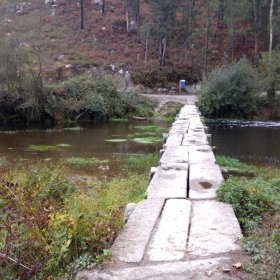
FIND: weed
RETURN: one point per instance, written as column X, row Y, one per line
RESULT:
column 79, row 162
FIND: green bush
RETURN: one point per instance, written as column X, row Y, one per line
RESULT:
column 94, row 98
column 230, row 92
column 159, row 78
column 21, row 90
column 250, row 199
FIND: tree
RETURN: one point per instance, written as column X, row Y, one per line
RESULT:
column 103, row 7
column 164, row 23
column 82, row 13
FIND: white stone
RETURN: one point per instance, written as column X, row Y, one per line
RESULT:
column 214, row 229
column 131, row 243
column 168, row 183
column 128, row 211
column 170, row 238
column 204, row 180
column 175, row 155
column 194, row 139
column 201, row 154
column 174, row 140
column 181, row 270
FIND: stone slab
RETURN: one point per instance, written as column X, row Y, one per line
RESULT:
column 201, row 154
column 131, row 243
column 170, row 238
column 194, row 139
column 214, row 229
column 183, row 128
column 168, row 183
column 204, row 180
column 181, row 270
column 174, row 140
column 175, row 155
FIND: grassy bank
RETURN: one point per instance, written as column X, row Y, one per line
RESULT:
column 254, row 193
column 54, row 223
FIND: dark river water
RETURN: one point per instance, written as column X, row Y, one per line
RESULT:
column 252, row 142
column 89, row 141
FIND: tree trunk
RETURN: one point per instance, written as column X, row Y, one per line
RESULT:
column 127, row 19
column 270, row 32
column 221, row 13
column 256, row 30
column 82, row 13
column 162, row 51
column 146, row 50
column 103, row 7
column 206, row 38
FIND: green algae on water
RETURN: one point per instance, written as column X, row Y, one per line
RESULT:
column 147, row 140
column 116, row 140
column 64, row 145
column 41, row 148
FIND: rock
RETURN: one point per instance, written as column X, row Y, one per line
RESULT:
column 214, row 229
column 126, row 51
column 168, row 183
column 23, row 8
column 204, row 180
column 128, row 211
column 60, row 57
column 50, row 2
column 131, row 243
column 170, row 238
column 152, row 173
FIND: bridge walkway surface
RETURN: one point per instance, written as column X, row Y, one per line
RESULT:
column 180, row 231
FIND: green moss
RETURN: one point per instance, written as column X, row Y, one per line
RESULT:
column 77, row 128
column 64, row 145
column 147, row 140
column 116, row 140
column 41, row 148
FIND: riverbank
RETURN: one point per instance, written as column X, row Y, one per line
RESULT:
column 57, row 219
column 254, row 194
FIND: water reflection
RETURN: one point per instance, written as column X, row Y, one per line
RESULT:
column 255, row 142
column 86, row 142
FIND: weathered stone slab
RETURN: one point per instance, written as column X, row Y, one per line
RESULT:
column 177, row 155
column 168, row 183
column 130, row 245
column 181, row 270
column 170, row 238
column 204, row 180
column 193, row 139
column 174, row 140
column 214, row 229
column 179, row 128
column 201, row 154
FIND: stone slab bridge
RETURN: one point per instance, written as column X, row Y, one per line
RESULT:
column 180, row 231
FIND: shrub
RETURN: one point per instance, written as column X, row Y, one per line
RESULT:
column 160, row 78
column 21, row 91
column 50, row 226
column 95, row 98
column 230, row 92
column 250, row 199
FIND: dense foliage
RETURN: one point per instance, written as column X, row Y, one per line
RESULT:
column 94, row 98
column 230, row 92
column 51, row 226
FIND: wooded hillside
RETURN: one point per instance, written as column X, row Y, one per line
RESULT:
column 136, row 34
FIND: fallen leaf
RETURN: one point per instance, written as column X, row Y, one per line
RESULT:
column 208, row 273
column 226, row 269
column 237, row 265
